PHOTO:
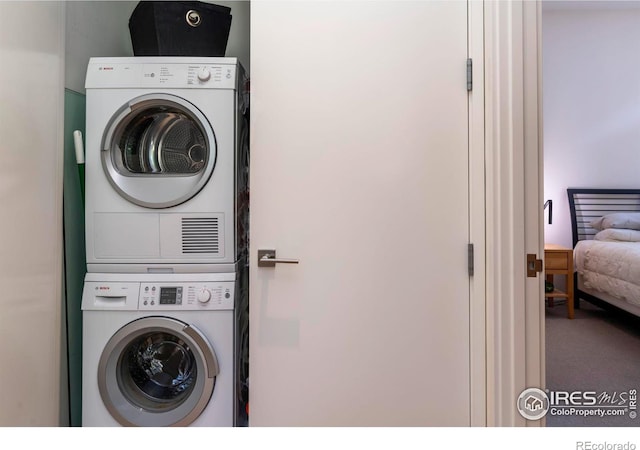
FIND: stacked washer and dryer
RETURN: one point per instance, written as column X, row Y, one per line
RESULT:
column 165, row 301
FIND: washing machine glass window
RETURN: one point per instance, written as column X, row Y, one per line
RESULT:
column 156, row 138
column 157, row 371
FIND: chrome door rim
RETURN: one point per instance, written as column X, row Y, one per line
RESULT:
column 141, row 189
column 129, row 414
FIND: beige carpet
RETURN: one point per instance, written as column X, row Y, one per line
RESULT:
column 597, row 351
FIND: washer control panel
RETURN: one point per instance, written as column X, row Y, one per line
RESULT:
column 186, row 296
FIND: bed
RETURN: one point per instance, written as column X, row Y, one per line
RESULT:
column 606, row 239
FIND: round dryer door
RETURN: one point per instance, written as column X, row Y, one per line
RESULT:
column 158, row 151
column 157, row 372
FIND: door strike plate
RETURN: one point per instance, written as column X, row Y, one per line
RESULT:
column 534, row 265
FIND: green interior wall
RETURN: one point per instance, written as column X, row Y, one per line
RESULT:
column 74, row 250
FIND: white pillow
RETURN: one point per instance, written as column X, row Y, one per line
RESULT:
column 630, row 221
column 619, row 235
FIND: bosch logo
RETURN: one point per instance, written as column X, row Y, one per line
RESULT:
column 102, row 288
column 193, row 18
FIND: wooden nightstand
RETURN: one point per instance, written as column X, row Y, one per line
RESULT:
column 559, row 261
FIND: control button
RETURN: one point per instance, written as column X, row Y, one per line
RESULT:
column 227, row 295
column 146, row 288
column 204, row 74
column 145, row 302
column 204, row 295
column 152, row 302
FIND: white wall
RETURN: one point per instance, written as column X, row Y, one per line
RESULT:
column 31, row 114
column 591, row 103
column 94, row 28
column 101, row 28
column 238, row 43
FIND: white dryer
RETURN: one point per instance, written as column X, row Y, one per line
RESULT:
column 166, row 164
column 158, row 350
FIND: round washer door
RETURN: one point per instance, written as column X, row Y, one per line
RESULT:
column 158, row 151
column 157, row 372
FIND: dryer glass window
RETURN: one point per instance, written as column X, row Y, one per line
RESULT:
column 160, row 139
column 158, row 151
column 157, row 371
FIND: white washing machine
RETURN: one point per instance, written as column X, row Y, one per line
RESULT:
column 158, row 350
column 166, row 164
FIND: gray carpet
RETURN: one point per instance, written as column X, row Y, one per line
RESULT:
column 597, row 351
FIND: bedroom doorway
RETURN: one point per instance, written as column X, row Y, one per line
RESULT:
column 589, row 140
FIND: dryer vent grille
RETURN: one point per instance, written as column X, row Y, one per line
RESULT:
column 200, row 235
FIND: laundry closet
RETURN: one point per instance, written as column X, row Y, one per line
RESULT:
column 363, row 306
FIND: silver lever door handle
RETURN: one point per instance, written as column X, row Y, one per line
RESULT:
column 267, row 258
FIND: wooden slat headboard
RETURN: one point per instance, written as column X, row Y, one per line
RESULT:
column 588, row 204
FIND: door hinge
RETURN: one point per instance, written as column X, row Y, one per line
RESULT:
column 470, row 259
column 534, row 265
column 469, row 74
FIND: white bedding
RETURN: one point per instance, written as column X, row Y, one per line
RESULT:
column 612, row 267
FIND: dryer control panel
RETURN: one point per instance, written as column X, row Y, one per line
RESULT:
column 206, row 73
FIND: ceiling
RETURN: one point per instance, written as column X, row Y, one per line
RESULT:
column 585, row 5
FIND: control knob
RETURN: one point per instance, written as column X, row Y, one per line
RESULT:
column 204, row 74
column 204, row 295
